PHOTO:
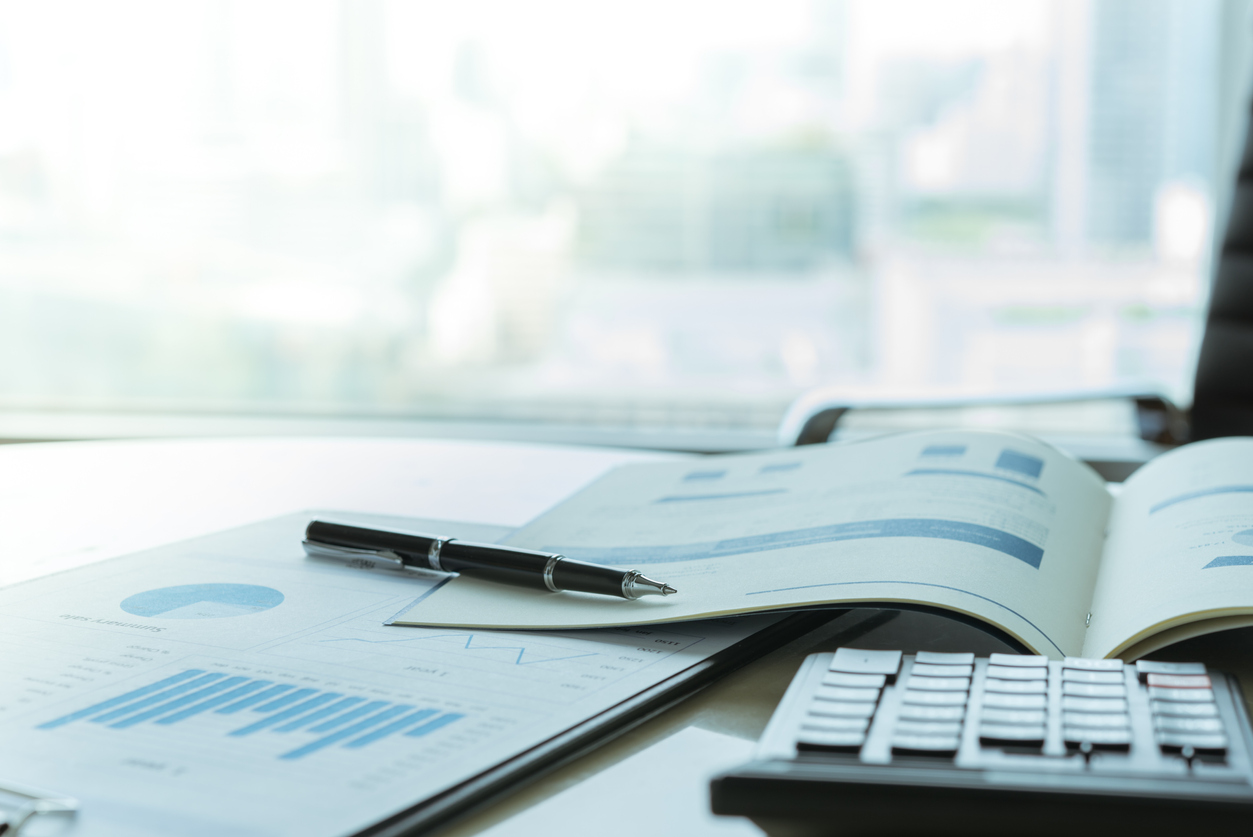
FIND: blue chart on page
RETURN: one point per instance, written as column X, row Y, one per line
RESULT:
column 202, row 601
column 312, row 718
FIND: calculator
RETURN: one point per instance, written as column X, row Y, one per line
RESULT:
column 872, row 742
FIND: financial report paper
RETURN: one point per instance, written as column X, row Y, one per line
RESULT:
column 229, row 685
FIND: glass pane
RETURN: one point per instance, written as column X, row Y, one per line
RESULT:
column 678, row 212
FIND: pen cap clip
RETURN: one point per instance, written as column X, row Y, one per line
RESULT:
column 352, row 555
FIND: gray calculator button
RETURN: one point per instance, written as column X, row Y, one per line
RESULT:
column 1115, row 739
column 1181, row 695
column 932, row 744
column 1106, row 677
column 1015, row 734
column 947, row 728
column 992, row 715
column 854, row 681
column 820, row 717
column 1086, row 664
column 1001, row 701
column 911, row 712
column 845, row 693
column 1146, row 667
column 942, row 659
column 1167, row 723
column 1024, row 660
column 1201, row 742
column 933, row 698
column 1070, row 703
column 1016, row 687
column 857, row 661
column 1180, row 681
column 1175, row 709
column 928, row 670
column 838, row 741
column 1017, row 673
column 1093, row 690
column 939, row 684
column 841, row 709
column 1094, row 720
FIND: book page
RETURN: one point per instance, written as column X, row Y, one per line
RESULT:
column 998, row 526
column 1179, row 560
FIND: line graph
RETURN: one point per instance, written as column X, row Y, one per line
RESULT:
column 470, row 645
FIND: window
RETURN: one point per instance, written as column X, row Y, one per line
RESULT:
column 640, row 212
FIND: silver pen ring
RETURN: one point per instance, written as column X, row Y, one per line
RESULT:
column 432, row 554
column 553, row 561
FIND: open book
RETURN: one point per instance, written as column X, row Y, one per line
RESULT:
column 995, row 526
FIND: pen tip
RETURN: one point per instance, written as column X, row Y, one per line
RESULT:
column 668, row 590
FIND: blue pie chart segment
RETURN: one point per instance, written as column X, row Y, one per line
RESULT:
column 1244, row 538
column 202, row 601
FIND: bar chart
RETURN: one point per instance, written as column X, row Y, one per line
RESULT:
column 315, row 719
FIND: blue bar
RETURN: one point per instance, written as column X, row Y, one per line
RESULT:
column 157, row 698
column 178, row 703
column 112, row 702
column 298, row 709
column 394, row 726
column 1023, row 463
column 349, row 732
column 350, row 716
column 257, row 698
column 324, row 712
column 733, row 495
column 279, row 703
column 245, row 689
column 1230, row 561
column 442, row 721
column 1204, row 492
column 957, row 472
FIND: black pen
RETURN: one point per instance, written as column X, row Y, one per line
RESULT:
column 372, row 548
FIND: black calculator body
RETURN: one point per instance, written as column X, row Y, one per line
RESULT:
column 880, row 742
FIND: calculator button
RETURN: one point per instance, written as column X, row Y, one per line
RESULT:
column 933, row 698
column 929, row 744
column 1172, row 742
column 836, row 741
column 841, row 709
column 1092, row 720
column 1181, row 695
column 1177, row 709
column 1071, row 703
column 1021, row 673
column 910, row 712
column 946, row 728
column 820, row 717
column 1106, row 677
column 855, row 681
column 993, row 715
column 1087, row 664
column 939, row 684
column 928, row 670
column 1093, row 690
column 1146, row 667
column 843, row 693
column 1180, row 681
column 941, row 659
column 1001, row 701
column 857, row 661
column 1167, row 723
column 1024, row 660
column 1011, row 734
column 1016, row 687
column 1108, row 739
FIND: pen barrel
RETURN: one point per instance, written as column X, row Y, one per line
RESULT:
column 520, row 568
column 588, row 578
column 413, row 549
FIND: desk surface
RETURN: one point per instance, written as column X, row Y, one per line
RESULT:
column 72, row 503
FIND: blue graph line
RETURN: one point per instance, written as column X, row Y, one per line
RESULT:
column 731, row 495
column 900, row 527
column 1205, row 492
column 1230, row 561
column 120, row 699
column 331, row 717
column 518, row 661
column 956, row 472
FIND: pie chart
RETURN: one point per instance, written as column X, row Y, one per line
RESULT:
column 202, row 601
